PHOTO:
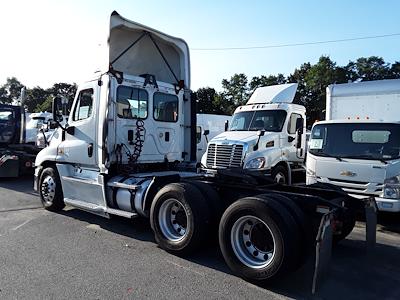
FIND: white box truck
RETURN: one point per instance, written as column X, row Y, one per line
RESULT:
column 267, row 136
column 357, row 148
column 127, row 150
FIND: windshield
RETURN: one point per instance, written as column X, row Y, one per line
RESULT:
column 6, row 115
column 269, row 120
column 351, row 140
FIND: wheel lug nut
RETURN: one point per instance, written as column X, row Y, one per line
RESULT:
column 248, row 244
column 174, row 222
column 265, row 256
column 255, row 253
column 246, row 232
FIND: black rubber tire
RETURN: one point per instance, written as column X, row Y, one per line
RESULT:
column 57, row 203
column 215, row 204
column 198, row 216
column 283, row 171
column 283, row 227
column 304, row 225
column 347, row 227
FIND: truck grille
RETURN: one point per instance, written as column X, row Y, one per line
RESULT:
column 359, row 188
column 224, row 156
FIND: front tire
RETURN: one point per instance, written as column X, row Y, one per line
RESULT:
column 50, row 190
column 280, row 175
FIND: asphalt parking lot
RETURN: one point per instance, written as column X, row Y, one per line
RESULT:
column 76, row 255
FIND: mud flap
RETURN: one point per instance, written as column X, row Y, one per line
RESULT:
column 371, row 221
column 323, row 250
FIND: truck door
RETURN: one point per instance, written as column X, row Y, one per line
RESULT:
column 79, row 145
column 293, row 154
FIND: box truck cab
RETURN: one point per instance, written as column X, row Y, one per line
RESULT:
column 266, row 135
column 358, row 147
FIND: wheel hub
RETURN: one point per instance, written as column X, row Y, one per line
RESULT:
column 48, row 189
column 252, row 242
column 173, row 220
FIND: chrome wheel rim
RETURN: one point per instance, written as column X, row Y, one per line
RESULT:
column 173, row 220
column 48, row 189
column 253, row 242
column 280, row 178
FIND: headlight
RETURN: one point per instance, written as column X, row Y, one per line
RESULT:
column 391, row 188
column 255, row 163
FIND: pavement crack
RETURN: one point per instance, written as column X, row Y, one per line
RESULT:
column 20, row 209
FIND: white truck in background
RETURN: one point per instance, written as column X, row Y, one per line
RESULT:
column 208, row 126
column 267, row 135
column 357, row 148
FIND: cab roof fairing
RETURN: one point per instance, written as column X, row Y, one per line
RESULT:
column 143, row 57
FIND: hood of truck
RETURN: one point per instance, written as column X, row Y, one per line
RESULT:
column 248, row 137
column 353, row 170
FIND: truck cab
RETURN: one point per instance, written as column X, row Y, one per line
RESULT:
column 358, row 147
column 135, row 117
column 266, row 135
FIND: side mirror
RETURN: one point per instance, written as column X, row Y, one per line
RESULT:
column 299, row 133
column 206, row 133
column 299, row 125
column 226, row 125
column 57, row 109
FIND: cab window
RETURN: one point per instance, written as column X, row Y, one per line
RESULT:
column 132, row 103
column 165, row 107
column 84, row 105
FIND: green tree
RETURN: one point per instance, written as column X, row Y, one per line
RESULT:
column 11, row 90
column 259, row 81
column 205, row 100
column 45, row 105
column 35, row 97
column 368, row 68
column 235, row 90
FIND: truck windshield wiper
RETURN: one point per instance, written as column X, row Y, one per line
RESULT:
column 368, row 157
column 328, row 155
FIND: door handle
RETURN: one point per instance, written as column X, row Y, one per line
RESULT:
column 90, row 150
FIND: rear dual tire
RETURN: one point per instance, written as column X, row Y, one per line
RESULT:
column 259, row 239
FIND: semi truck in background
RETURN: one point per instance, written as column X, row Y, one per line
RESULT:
column 266, row 136
column 128, row 148
column 357, row 148
column 17, row 157
column 207, row 127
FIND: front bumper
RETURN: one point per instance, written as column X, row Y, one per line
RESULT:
column 390, row 205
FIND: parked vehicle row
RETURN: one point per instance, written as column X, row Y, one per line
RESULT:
column 130, row 146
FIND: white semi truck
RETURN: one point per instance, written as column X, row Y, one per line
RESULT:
column 357, row 148
column 267, row 135
column 128, row 149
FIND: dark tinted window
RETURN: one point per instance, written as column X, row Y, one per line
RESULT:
column 131, row 103
column 165, row 107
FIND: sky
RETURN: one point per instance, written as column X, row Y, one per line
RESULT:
column 44, row 42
